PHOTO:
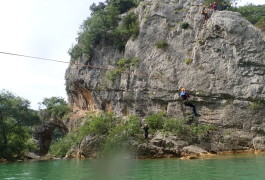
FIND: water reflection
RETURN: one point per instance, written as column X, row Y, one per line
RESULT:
column 238, row 167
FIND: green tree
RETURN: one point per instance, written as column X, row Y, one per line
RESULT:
column 15, row 118
column 123, row 5
column 252, row 12
column 54, row 107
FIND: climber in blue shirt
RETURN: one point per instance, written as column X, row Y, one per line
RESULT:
column 185, row 97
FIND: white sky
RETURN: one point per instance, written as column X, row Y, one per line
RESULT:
column 42, row 28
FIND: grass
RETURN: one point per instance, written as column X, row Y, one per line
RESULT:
column 163, row 44
column 188, row 61
column 185, row 25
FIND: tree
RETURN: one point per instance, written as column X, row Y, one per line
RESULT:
column 15, row 118
column 123, row 5
column 54, row 107
column 94, row 8
column 51, row 112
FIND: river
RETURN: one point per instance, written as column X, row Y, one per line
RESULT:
column 228, row 167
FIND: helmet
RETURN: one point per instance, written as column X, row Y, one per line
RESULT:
column 182, row 89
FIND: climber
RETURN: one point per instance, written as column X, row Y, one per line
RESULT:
column 205, row 13
column 145, row 131
column 224, row 7
column 185, row 97
column 214, row 7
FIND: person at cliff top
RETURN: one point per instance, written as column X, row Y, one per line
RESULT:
column 185, row 97
column 225, row 6
column 205, row 13
column 214, row 6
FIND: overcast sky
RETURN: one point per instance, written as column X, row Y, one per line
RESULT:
column 42, row 28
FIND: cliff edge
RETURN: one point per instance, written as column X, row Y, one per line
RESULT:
column 221, row 63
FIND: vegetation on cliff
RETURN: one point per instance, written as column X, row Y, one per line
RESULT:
column 254, row 14
column 117, row 133
column 103, row 25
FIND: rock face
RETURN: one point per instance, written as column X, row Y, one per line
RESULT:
column 220, row 62
column 43, row 134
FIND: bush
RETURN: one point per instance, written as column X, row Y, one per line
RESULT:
column 113, row 74
column 174, row 125
column 120, row 134
column 251, row 12
column 162, row 44
column 61, row 147
column 122, row 62
column 75, row 52
column 129, row 28
column 188, row 61
column 261, row 24
column 257, row 105
column 156, row 121
column 134, row 61
column 102, row 124
column 185, row 25
column 123, row 5
column 132, row 126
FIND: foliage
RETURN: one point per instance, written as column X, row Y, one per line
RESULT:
column 103, row 25
column 188, row 61
column 175, row 125
column 201, row 42
column 181, row 128
column 156, row 121
column 261, row 24
column 102, row 124
column 251, row 12
column 95, row 29
column 121, row 133
column 163, row 44
column 117, row 132
column 60, row 148
column 94, row 8
column 122, row 64
column 125, row 63
column 54, row 107
column 75, row 52
column 129, row 28
column 134, row 61
column 15, row 118
column 123, row 5
column 114, row 130
column 114, row 73
column 255, row 105
column 184, row 25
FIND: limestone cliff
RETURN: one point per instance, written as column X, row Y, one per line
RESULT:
column 220, row 62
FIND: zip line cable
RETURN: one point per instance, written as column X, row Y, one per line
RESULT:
column 79, row 64
column 33, row 57
column 59, row 61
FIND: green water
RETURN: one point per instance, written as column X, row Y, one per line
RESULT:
column 241, row 167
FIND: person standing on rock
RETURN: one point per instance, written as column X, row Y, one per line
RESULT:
column 185, row 97
column 205, row 13
column 145, row 128
column 214, row 7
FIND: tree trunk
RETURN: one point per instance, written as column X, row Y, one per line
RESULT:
column 4, row 143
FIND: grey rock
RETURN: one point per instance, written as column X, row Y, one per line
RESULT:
column 193, row 150
column 225, row 75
